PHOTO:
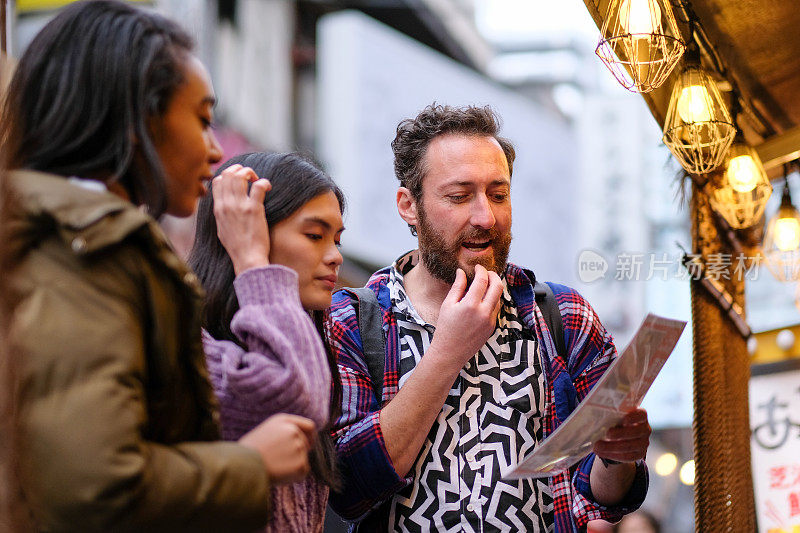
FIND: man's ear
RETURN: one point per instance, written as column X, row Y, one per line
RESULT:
column 407, row 206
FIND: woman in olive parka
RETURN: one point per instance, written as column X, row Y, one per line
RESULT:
column 106, row 126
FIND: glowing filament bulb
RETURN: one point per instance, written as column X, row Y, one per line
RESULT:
column 693, row 104
column 640, row 18
column 787, row 234
column 742, row 173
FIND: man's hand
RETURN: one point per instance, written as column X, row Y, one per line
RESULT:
column 628, row 441
column 624, row 443
column 241, row 221
column 467, row 317
column 283, row 440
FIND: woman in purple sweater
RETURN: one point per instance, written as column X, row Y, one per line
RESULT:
column 264, row 334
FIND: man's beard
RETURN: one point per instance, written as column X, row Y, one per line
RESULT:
column 441, row 258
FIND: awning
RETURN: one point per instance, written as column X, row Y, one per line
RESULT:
column 756, row 43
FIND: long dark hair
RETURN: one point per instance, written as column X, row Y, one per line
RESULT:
column 295, row 180
column 84, row 90
column 79, row 103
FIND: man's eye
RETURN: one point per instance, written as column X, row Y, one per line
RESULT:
column 314, row 236
column 457, row 197
column 206, row 122
column 499, row 197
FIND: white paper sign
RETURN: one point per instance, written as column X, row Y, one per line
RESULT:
column 618, row 391
column 775, row 450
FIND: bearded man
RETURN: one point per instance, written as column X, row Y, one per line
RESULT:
column 471, row 380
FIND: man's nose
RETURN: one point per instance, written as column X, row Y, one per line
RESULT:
column 482, row 215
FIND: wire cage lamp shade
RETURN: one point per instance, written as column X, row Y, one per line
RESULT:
column 698, row 129
column 741, row 192
column 782, row 241
column 640, row 43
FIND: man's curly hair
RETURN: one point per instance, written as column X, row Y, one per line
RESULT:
column 414, row 135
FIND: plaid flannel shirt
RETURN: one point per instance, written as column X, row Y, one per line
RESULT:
column 368, row 474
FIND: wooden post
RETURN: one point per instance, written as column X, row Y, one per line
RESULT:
column 724, row 499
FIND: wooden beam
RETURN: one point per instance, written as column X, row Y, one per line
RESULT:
column 780, row 149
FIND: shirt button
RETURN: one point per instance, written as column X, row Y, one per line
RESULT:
column 471, row 413
column 470, row 508
column 189, row 278
column 78, row 244
column 471, row 457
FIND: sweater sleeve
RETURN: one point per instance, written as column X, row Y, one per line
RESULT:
column 284, row 368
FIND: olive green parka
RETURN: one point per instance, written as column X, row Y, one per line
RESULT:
column 117, row 421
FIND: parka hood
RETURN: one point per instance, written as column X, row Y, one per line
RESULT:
column 87, row 220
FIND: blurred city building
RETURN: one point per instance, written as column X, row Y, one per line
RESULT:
column 369, row 78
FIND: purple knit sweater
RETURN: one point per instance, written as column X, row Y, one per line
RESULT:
column 283, row 370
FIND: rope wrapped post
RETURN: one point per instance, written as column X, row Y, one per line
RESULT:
column 723, row 481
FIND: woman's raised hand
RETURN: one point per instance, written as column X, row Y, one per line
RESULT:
column 241, row 221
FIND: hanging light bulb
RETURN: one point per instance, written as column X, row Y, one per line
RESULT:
column 698, row 128
column 640, row 18
column 782, row 240
column 694, row 104
column 743, row 173
column 741, row 192
column 640, row 43
column 787, row 233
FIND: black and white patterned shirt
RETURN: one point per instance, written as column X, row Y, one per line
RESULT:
column 492, row 417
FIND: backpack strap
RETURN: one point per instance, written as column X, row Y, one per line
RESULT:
column 370, row 326
column 546, row 301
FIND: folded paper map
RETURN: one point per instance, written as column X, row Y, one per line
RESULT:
column 620, row 390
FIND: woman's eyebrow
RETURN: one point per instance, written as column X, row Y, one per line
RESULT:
column 317, row 220
column 321, row 221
